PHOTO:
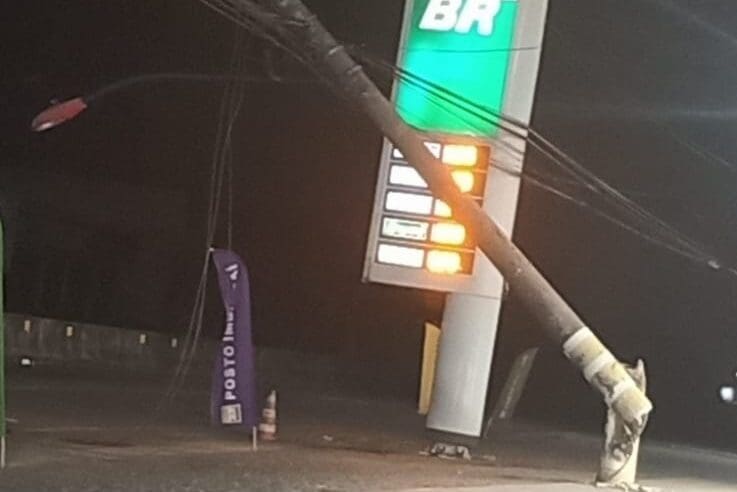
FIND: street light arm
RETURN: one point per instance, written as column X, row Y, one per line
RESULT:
column 60, row 113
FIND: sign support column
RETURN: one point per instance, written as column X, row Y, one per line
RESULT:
column 470, row 323
column 467, row 339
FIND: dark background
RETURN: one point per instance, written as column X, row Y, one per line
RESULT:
column 106, row 215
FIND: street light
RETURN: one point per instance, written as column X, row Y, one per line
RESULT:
column 58, row 114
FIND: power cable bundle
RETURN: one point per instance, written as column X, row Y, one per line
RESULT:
column 624, row 212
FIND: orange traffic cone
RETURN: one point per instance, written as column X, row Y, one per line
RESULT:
column 267, row 427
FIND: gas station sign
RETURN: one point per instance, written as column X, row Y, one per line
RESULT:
column 487, row 52
column 463, row 47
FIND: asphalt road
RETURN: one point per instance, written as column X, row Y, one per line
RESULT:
column 92, row 431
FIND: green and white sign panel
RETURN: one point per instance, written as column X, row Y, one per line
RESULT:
column 463, row 62
column 464, row 48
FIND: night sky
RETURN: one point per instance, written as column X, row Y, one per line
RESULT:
column 106, row 215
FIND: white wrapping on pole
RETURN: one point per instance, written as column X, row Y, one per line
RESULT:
column 619, row 390
column 603, row 359
column 602, row 370
column 577, row 339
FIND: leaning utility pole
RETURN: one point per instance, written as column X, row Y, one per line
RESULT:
column 580, row 345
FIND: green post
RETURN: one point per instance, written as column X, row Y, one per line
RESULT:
column 2, row 354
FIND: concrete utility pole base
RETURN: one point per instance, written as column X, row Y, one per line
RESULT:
column 619, row 456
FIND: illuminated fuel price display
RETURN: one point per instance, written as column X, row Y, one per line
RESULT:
column 414, row 234
column 418, row 230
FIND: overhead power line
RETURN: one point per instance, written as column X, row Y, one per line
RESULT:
column 267, row 24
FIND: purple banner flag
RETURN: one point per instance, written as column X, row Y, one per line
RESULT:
column 233, row 399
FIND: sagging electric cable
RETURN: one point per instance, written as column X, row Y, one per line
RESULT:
column 260, row 21
column 230, row 107
column 529, row 177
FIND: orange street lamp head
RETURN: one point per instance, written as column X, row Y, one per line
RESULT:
column 57, row 114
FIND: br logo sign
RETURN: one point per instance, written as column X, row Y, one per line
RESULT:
column 461, row 16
